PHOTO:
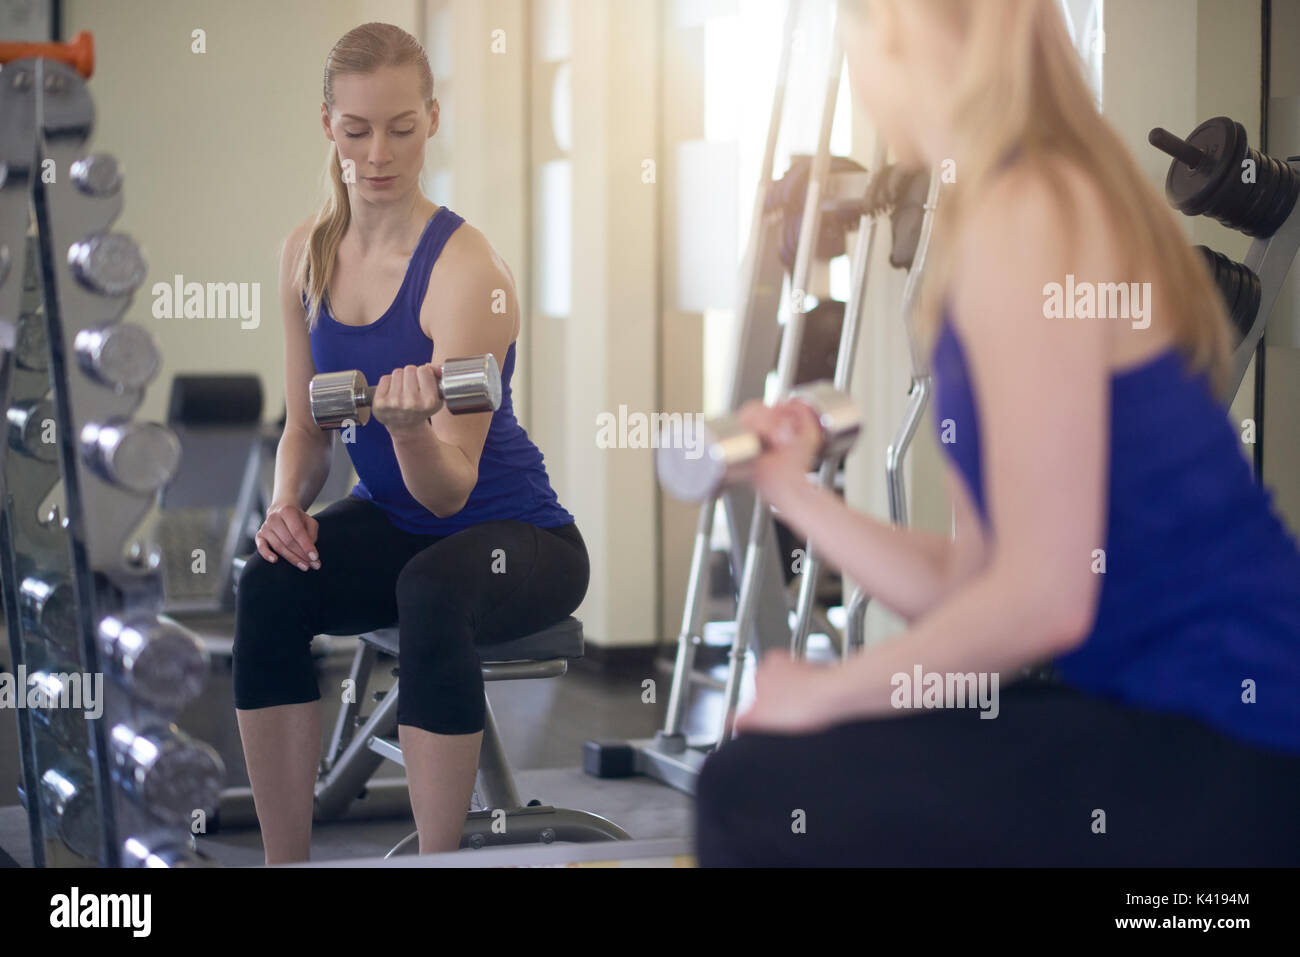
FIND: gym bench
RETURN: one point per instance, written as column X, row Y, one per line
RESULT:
column 360, row 744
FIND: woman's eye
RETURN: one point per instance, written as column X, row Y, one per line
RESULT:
column 352, row 135
column 404, row 132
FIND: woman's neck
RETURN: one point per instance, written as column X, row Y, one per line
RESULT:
column 377, row 227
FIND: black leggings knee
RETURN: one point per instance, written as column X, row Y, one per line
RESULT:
column 448, row 595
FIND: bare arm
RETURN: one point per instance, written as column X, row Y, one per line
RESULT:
column 302, row 466
column 439, row 457
column 909, row 571
column 1043, row 388
column 906, row 570
column 302, row 459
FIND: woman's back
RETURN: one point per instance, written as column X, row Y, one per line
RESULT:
column 1199, row 608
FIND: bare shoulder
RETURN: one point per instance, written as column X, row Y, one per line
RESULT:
column 470, row 274
column 469, row 253
column 1034, row 223
column 1035, row 208
column 292, row 248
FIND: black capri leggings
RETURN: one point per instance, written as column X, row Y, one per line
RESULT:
column 488, row 583
column 1031, row 787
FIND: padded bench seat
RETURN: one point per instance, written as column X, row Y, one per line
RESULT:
column 561, row 640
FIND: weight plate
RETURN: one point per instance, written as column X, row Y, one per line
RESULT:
column 1228, row 203
column 1206, row 255
column 1289, row 189
column 1256, row 196
column 1224, row 281
column 1248, row 306
column 1228, row 288
column 1191, row 190
column 1268, row 188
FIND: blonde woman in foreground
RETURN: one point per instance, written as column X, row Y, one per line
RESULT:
column 1171, row 733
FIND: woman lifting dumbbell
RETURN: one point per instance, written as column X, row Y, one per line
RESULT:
column 453, row 531
column 1105, row 520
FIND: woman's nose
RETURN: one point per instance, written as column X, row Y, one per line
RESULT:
column 379, row 154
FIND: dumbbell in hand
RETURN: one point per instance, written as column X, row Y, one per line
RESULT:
column 696, row 465
column 471, row 384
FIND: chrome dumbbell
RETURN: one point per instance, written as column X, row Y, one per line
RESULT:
column 701, row 461
column 169, row 773
column 161, row 662
column 471, row 384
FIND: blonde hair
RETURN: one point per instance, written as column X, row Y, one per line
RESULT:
column 361, row 50
column 1022, row 90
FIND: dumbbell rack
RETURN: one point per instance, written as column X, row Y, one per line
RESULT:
column 762, row 611
column 82, row 589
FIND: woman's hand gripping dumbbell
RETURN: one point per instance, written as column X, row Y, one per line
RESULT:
column 758, row 443
column 406, row 398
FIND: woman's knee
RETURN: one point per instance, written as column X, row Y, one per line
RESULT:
column 726, row 778
column 459, row 710
column 440, row 673
column 268, row 610
column 722, row 819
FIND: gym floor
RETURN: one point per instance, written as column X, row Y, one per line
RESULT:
column 543, row 725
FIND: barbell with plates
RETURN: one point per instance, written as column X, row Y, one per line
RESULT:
column 1207, row 177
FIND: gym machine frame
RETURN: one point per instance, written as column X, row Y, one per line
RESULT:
column 82, row 589
column 1270, row 259
column 918, row 398
column 762, row 615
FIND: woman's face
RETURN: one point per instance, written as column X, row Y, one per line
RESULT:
column 379, row 124
column 883, row 53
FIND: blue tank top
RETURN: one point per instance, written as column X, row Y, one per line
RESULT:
column 1200, row 599
column 512, row 480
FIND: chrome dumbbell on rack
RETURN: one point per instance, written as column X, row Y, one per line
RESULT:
column 107, row 777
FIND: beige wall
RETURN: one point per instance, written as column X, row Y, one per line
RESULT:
column 223, row 154
column 1282, row 364
column 681, row 334
column 611, row 355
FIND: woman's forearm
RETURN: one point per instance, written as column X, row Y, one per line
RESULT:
column 302, row 464
column 993, row 626
column 436, row 473
column 906, row 570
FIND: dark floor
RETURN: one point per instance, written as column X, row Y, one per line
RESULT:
column 543, row 724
